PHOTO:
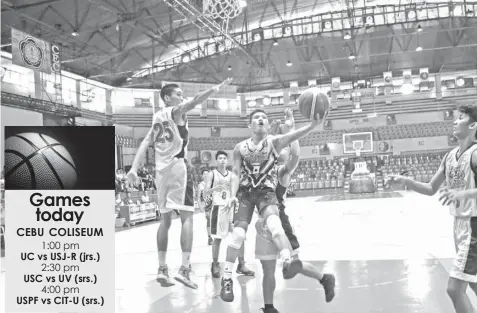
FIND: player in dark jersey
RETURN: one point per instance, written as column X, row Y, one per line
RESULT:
column 254, row 179
column 288, row 162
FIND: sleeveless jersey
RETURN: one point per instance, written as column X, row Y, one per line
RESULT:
column 221, row 197
column 460, row 176
column 259, row 164
column 170, row 139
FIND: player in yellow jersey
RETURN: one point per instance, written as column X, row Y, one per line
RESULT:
column 217, row 184
column 459, row 170
column 170, row 134
column 254, row 180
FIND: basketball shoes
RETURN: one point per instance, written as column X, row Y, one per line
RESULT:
column 328, row 283
column 163, row 277
column 183, row 276
column 242, row 269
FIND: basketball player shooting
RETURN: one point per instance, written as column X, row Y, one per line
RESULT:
column 459, row 170
column 253, row 184
column 217, row 184
column 265, row 250
column 170, row 134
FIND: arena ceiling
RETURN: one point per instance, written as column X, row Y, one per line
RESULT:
column 112, row 40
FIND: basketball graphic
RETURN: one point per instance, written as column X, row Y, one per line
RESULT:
column 38, row 162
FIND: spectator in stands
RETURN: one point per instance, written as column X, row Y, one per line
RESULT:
column 119, row 201
column 145, row 197
column 128, row 199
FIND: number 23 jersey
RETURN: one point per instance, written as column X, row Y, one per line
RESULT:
column 169, row 139
column 259, row 164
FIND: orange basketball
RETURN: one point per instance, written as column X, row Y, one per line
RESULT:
column 312, row 102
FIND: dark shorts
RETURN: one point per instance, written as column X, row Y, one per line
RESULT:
column 288, row 229
column 249, row 199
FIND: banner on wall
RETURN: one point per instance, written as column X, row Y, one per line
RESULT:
column 34, row 53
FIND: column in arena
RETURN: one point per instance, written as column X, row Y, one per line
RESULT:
column 59, row 213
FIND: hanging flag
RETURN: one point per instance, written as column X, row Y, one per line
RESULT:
column 30, row 52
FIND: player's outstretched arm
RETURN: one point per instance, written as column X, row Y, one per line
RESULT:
column 283, row 141
column 237, row 168
column 141, row 151
column 428, row 189
column 187, row 106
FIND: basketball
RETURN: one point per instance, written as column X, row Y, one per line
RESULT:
column 38, row 162
column 312, row 102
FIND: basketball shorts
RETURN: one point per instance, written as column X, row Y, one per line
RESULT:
column 249, row 199
column 220, row 222
column 265, row 248
column 465, row 240
column 175, row 189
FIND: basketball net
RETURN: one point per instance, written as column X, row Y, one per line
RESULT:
column 223, row 10
column 357, row 146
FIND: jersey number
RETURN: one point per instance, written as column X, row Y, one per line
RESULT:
column 224, row 195
column 164, row 132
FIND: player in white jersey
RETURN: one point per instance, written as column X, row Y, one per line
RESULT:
column 459, row 170
column 205, row 203
column 217, row 184
column 169, row 134
column 254, row 179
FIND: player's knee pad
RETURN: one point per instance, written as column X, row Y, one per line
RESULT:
column 274, row 225
column 238, row 237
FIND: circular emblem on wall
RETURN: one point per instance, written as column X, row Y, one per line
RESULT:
column 206, row 156
column 383, row 146
column 336, row 85
column 31, row 54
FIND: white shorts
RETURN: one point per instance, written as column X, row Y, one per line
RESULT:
column 465, row 240
column 265, row 247
column 175, row 188
column 220, row 222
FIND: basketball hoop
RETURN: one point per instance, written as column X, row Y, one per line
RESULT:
column 223, row 10
column 357, row 146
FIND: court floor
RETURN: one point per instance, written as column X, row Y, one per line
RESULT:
column 389, row 255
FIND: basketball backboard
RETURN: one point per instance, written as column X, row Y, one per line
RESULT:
column 357, row 143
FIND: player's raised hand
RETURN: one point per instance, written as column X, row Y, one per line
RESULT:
column 132, row 176
column 274, row 127
column 288, row 113
column 224, row 83
column 319, row 119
